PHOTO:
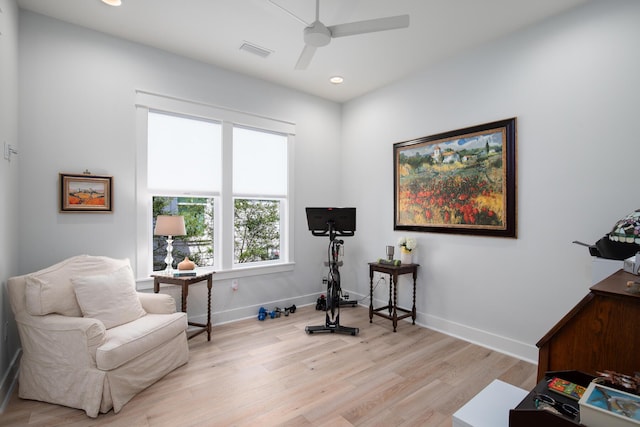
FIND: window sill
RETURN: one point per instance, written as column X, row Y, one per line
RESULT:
column 256, row 270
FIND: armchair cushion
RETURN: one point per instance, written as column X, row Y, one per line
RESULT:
column 50, row 290
column 127, row 342
column 157, row 303
column 110, row 298
column 44, row 297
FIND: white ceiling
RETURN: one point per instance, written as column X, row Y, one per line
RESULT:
column 212, row 31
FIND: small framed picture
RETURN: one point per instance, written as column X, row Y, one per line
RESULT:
column 85, row 193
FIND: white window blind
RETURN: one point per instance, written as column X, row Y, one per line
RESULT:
column 184, row 155
column 259, row 163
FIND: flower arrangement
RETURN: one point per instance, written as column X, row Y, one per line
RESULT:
column 407, row 244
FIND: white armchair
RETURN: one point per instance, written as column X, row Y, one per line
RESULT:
column 89, row 340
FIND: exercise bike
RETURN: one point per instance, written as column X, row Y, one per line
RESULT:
column 332, row 222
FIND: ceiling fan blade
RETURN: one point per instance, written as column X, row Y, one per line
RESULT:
column 305, row 57
column 369, row 26
column 291, row 14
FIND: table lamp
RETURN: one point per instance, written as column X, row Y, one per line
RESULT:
column 169, row 225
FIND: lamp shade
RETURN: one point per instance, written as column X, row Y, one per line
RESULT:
column 170, row 225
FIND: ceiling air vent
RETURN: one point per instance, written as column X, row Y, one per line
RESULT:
column 255, row 49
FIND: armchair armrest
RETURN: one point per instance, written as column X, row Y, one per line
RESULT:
column 56, row 340
column 157, row 303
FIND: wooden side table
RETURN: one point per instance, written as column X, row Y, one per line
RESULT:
column 184, row 282
column 393, row 271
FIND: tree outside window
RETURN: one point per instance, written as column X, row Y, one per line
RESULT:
column 198, row 221
column 256, row 230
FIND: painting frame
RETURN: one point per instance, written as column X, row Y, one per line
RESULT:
column 86, row 193
column 460, row 182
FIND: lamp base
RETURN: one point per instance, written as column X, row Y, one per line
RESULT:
column 169, row 258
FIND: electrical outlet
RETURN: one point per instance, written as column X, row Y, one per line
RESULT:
column 9, row 150
column 234, row 285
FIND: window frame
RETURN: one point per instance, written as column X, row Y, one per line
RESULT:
column 223, row 207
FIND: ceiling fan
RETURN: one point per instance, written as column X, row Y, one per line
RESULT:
column 317, row 34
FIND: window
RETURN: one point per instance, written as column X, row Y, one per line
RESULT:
column 184, row 158
column 230, row 181
column 260, row 191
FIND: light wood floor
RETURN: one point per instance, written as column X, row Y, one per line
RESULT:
column 268, row 373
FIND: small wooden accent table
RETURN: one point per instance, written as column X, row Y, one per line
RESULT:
column 184, row 282
column 393, row 271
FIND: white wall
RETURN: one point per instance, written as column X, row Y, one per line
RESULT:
column 77, row 112
column 572, row 82
column 9, row 242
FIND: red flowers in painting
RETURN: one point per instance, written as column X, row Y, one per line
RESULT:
column 451, row 199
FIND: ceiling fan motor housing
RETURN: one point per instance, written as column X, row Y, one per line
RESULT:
column 317, row 34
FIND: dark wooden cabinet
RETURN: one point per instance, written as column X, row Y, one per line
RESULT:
column 601, row 333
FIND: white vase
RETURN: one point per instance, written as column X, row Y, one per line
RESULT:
column 406, row 257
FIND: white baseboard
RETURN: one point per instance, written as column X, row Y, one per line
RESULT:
column 251, row 311
column 508, row 346
column 511, row 347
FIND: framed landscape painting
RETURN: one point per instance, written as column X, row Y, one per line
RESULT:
column 85, row 193
column 461, row 181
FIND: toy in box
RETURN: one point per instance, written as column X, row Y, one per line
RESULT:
column 566, row 388
column 602, row 406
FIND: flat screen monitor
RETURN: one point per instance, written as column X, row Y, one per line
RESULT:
column 322, row 220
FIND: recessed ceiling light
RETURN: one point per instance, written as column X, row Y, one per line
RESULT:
column 336, row 80
column 112, row 2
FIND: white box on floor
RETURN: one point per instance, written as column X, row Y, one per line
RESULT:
column 490, row 407
column 602, row 406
